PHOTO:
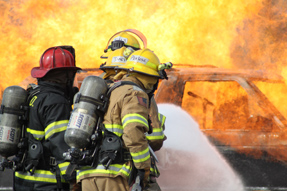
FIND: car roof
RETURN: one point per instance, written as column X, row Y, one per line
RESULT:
column 182, row 70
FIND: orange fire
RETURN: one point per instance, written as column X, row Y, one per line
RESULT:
column 227, row 34
column 193, row 32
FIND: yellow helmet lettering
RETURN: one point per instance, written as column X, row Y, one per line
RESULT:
column 143, row 61
column 32, row 101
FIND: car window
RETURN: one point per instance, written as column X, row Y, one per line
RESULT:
column 221, row 105
column 276, row 92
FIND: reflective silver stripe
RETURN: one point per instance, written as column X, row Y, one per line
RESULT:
column 63, row 167
column 113, row 169
column 141, row 156
column 55, row 127
column 39, row 175
column 155, row 135
column 120, row 131
column 115, row 128
column 39, row 135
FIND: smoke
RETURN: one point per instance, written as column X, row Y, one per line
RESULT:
column 188, row 161
column 261, row 38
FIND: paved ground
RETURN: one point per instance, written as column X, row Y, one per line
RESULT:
column 6, row 179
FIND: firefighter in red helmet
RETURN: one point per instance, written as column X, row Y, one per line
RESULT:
column 49, row 111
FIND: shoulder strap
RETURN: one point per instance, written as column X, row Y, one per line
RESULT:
column 121, row 83
column 32, row 90
column 118, row 84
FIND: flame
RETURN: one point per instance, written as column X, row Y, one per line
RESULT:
column 192, row 32
column 227, row 34
column 261, row 39
column 244, row 121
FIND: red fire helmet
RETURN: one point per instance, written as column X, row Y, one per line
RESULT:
column 55, row 58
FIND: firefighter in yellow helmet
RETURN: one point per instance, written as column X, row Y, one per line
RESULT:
column 112, row 72
column 137, row 66
column 127, row 119
column 157, row 120
column 123, row 39
column 117, row 58
column 126, row 38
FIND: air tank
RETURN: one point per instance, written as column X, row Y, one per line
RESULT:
column 14, row 98
column 84, row 117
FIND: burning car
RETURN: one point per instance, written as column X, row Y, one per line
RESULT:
column 243, row 114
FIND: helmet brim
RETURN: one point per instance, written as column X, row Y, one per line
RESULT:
column 148, row 72
column 38, row 72
column 106, row 55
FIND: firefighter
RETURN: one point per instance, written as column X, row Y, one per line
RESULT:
column 116, row 58
column 49, row 111
column 126, row 122
column 126, row 38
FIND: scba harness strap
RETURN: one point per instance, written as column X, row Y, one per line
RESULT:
column 112, row 151
column 20, row 112
column 100, row 104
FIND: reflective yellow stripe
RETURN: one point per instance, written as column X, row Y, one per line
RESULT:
column 134, row 118
column 115, row 128
column 55, row 127
column 155, row 137
column 157, row 134
column 63, row 167
column 113, row 169
column 32, row 101
column 39, row 175
column 141, row 156
column 154, row 171
column 36, row 133
column 152, row 65
column 140, row 152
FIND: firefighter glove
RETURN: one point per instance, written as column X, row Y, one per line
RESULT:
column 144, row 176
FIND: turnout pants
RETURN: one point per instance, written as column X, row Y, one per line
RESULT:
column 105, row 184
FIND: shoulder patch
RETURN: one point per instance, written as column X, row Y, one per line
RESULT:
column 142, row 101
column 137, row 88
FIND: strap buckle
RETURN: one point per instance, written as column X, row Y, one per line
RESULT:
column 53, row 161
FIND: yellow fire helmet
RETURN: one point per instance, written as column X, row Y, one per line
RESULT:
column 143, row 61
column 125, row 38
column 117, row 58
